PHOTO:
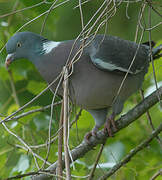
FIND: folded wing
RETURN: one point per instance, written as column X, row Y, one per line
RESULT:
column 114, row 54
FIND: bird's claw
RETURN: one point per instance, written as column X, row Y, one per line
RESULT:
column 110, row 122
column 89, row 134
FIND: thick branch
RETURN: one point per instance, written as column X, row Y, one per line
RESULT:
column 121, row 123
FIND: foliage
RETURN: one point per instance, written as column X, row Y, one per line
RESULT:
column 64, row 22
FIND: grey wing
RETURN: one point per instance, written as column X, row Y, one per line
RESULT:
column 112, row 53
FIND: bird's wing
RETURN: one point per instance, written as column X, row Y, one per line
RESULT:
column 114, row 54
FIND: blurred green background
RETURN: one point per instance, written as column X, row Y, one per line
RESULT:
column 62, row 23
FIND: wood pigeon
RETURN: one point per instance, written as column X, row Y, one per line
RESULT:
column 108, row 71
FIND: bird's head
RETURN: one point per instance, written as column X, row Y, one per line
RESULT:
column 23, row 45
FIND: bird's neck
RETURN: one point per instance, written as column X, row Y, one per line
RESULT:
column 48, row 46
column 41, row 49
column 45, row 59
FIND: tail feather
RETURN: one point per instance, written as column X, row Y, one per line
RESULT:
column 156, row 51
column 148, row 43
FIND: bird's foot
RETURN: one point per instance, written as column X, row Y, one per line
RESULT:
column 110, row 122
column 91, row 133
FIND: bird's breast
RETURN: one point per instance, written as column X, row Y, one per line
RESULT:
column 89, row 87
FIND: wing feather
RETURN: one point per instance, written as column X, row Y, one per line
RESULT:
column 112, row 53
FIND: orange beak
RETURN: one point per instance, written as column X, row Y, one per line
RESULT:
column 9, row 59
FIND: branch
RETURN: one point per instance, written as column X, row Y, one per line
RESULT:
column 60, row 142
column 91, row 175
column 31, row 101
column 121, row 123
column 150, row 4
column 66, row 124
column 156, row 174
column 148, row 115
column 20, row 10
column 132, row 153
column 20, row 176
column 15, row 118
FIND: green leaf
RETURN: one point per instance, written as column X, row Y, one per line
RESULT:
column 42, row 122
column 3, row 74
column 22, row 165
column 36, row 87
column 12, row 108
column 114, row 152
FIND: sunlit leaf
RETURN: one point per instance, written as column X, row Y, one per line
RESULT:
column 22, row 165
column 36, row 87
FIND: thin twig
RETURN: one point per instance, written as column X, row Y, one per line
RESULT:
column 55, row 136
column 66, row 123
column 45, row 19
column 151, row 55
column 81, row 15
column 33, row 111
column 150, row 120
column 22, row 142
column 140, row 14
column 60, row 128
column 60, row 144
column 151, row 7
column 28, row 103
column 76, row 117
column 13, row 9
column 50, row 121
column 34, row 19
column 23, row 175
column 46, row 172
column 127, row 73
column 36, row 155
column 82, row 3
column 96, row 162
column 101, row 15
column 127, row 6
column 20, row 10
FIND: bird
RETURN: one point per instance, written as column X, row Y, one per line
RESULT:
column 106, row 70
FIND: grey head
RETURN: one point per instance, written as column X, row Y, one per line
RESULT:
column 24, row 45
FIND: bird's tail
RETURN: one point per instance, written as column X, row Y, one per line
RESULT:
column 156, row 52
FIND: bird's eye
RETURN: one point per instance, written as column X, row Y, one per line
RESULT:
column 18, row 44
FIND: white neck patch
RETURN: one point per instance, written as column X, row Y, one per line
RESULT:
column 49, row 46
